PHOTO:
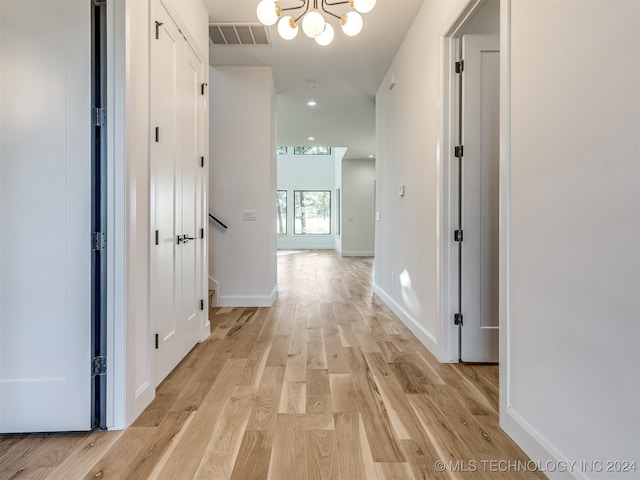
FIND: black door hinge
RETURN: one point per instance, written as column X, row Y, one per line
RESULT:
column 202, row 233
column 98, row 366
column 202, row 162
column 458, row 151
column 157, row 134
column 202, row 86
column 457, row 235
column 98, row 241
column 459, row 66
column 201, row 304
column 98, row 117
column 457, row 319
column 157, row 237
column 158, row 25
column 157, row 341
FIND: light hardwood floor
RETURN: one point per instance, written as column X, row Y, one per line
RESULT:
column 327, row 384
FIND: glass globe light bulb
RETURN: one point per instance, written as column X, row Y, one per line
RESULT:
column 313, row 23
column 326, row 37
column 268, row 12
column 287, row 28
column 364, row 6
column 351, row 23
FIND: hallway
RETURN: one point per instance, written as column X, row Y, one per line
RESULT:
column 327, row 384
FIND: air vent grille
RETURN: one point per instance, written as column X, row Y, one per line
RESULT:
column 239, row 34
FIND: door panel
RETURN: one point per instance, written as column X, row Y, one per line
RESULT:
column 176, row 193
column 45, row 216
column 166, row 192
column 189, row 251
column 480, row 132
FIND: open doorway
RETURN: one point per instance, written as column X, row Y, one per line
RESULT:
column 471, row 184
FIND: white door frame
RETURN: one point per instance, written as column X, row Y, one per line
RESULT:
column 447, row 198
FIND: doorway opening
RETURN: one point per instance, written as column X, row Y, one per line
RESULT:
column 470, row 242
column 99, row 213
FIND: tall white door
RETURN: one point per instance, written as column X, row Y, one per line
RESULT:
column 189, row 218
column 480, row 197
column 45, row 229
column 176, row 119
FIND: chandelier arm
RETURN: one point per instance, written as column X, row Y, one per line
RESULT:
column 325, row 2
column 330, row 13
column 302, row 4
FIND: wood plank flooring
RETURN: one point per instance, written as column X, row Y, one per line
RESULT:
column 327, row 384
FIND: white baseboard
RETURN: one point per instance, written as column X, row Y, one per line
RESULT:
column 310, row 246
column 549, row 460
column 426, row 338
column 248, row 300
column 213, row 285
column 357, row 254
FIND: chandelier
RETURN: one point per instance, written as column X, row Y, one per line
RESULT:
column 314, row 24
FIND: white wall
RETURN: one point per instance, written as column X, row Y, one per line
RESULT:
column 570, row 365
column 242, row 177
column 306, row 172
column 573, row 383
column 358, row 180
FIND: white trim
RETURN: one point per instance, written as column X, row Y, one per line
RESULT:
column 248, row 300
column 116, row 219
column 505, row 210
column 304, row 246
column 538, row 448
column 446, row 208
column 357, row 254
column 428, row 339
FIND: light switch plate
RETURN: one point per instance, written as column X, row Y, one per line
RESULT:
column 249, row 216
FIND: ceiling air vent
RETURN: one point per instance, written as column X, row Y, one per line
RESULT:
column 238, row 34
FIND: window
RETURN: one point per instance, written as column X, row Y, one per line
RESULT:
column 312, row 150
column 282, row 150
column 282, row 212
column 312, row 212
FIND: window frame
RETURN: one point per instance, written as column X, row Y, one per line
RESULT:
column 294, row 213
column 286, row 212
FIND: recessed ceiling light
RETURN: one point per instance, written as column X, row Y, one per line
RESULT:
column 370, row 156
column 311, row 138
column 311, row 103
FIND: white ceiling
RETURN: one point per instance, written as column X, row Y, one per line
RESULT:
column 348, row 72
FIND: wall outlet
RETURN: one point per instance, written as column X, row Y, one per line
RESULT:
column 377, row 216
column 393, row 278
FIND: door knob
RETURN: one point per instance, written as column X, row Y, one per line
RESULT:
column 184, row 239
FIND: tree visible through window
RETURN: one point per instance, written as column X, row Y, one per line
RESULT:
column 312, row 150
column 312, row 212
column 282, row 212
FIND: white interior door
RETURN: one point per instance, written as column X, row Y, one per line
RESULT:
column 176, row 103
column 166, row 192
column 190, row 249
column 480, row 197
column 45, row 229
